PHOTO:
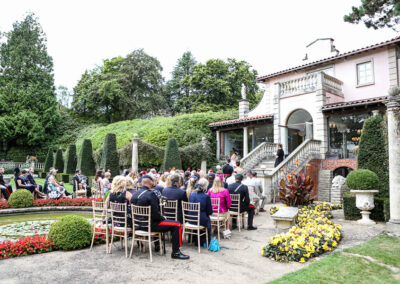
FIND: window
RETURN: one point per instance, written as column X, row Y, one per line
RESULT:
column 365, row 74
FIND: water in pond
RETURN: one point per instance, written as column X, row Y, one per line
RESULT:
column 19, row 226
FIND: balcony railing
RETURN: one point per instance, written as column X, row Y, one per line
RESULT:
column 311, row 83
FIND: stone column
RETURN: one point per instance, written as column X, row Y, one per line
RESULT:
column 135, row 153
column 204, row 162
column 393, row 115
column 218, row 145
column 284, row 139
column 309, row 130
column 245, row 142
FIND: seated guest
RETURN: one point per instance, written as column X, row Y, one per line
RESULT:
column 46, row 181
column 211, row 178
column 191, row 184
column 230, row 180
column 5, row 189
column 238, row 169
column 80, row 179
column 21, row 182
column 174, row 192
column 55, row 190
column 146, row 197
column 218, row 191
column 186, row 179
column 98, row 179
column 239, row 188
column 106, row 182
column 200, row 196
column 130, row 184
column 119, row 194
column 158, row 189
column 31, row 180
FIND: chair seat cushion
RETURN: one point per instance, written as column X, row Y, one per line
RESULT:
column 217, row 218
column 191, row 226
column 145, row 233
column 122, row 229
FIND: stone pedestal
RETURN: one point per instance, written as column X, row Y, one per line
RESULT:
column 203, row 166
column 285, row 218
column 393, row 115
column 135, row 153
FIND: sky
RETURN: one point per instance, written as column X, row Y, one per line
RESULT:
column 270, row 35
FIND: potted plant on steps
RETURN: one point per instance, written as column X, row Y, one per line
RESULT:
column 363, row 183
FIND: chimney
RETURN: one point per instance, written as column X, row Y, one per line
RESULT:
column 243, row 104
column 320, row 48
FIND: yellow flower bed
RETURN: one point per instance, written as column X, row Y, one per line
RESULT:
column 314, row 235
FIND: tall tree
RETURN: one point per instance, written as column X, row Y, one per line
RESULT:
column 376, row 14
column 178, row 89
column 28, row 106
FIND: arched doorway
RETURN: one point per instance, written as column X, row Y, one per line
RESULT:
column 299, row 126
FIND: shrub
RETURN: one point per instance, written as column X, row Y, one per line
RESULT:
column 109, row 158
column 380, row 212
column 71, row 232
column 295, row 190
column 362, row 180
column 372, row 153
column 26, row 246
column 172, row 157
column 70, row 160
column 59, row 161
column 85, row 162
column 49, row 160
column 20, row 198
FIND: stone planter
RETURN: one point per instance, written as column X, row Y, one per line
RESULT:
column 365, row 202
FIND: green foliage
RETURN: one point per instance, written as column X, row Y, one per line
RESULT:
column 20, row 198
column 379, row 213
column 296, row 190
column 150, row 156
column 70, row 160
column 121, row 89
column 373, row 154
column 192, row 156
column 109, row 159
column 59, row 161
column 71, row 232
column 18, row 154
column 85, row 160
column 376, row 14
column 28, row 106
column 362, row 180
column 49, row 160
column 172, row 157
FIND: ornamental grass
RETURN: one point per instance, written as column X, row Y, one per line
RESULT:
column 313, row 235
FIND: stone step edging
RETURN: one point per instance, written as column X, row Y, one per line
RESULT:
column 12, row 211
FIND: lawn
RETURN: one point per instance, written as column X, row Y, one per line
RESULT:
column 341, row 268
column 40, row 181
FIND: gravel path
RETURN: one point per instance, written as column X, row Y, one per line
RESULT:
column 239, row 261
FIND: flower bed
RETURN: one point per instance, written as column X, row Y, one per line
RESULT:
column 59, row 202
column 4, row 205
column 314, row 235
column 25, row 246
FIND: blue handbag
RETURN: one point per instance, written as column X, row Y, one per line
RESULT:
column 214, row 245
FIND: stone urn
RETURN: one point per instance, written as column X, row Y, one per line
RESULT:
column 365, row 202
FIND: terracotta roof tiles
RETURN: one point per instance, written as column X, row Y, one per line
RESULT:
column 241, row 120
column 354, row 103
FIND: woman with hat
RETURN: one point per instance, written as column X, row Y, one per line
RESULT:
column 55, row 190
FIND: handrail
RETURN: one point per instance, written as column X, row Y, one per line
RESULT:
column 259, row 153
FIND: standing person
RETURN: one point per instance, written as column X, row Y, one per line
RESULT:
column 146, row 197
column 6, row 189
column 200, row 196
column 239, row 188
column 31, row 180
column 174, row 192
column 238, row 169
column 227, row 169
column 280, row 155
column 233, row 158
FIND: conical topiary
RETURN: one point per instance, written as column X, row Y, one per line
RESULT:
column 70, row 160
column 49, row 160
column 85, row 161
column 109, row 158
column 372, row 152
column 59, row 161
column 172, row 157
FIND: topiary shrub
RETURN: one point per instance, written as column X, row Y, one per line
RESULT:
column 109, row 158
column 20, row 198
column 70, row 160
column 49, row 160
column 59, row 161
column 71, row 232
column 85, row 161
column 172, row 157
column 362, row 180
column 379, row 213
column 373, row 154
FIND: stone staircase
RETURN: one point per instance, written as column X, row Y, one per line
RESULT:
column 262, row 159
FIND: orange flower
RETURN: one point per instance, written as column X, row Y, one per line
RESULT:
column 297, row 162
column 292, row 173
column 308, row 165
column 282, row 169
column 288, row 176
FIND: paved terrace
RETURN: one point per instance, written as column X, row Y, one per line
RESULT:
column 239, row 261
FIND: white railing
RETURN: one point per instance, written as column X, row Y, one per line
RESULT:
column 14, row 165
column 310, row 83
column 261, row 152
column 296, row 161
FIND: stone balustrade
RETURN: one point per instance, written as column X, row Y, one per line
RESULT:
column 263, row 151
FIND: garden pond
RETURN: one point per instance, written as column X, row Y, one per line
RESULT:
column 14, row 227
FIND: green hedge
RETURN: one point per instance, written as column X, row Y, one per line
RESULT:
column 109, row 158
column 20, row 198
column 49, row 160
column 59, row 161
column 362, row 180
column 172, row 156
column 18, row 154
column 85, row 160
column 70, row 160
column 379, row 213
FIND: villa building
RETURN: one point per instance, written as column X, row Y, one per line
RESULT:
column 316, row 111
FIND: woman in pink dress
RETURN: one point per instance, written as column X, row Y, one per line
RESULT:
column 218, row 191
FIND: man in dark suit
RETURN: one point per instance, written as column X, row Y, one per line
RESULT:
column 227, row 169
column 5, row 189
column 242, row 189
column 174, row 192
column 31, row 180
column 77, row 180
